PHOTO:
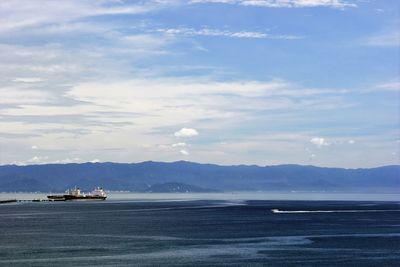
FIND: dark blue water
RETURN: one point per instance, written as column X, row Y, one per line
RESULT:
column 200, row 233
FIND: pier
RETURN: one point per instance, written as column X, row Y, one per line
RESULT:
column 7, row 201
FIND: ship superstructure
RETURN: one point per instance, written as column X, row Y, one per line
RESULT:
column 75, row 194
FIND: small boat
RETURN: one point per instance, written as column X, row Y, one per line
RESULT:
column 75, row 194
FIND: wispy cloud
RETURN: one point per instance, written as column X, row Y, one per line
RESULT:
column 136, row 107
column 27, row 14
column 20, row 96
column 225, row 33
column 340, row 4
column 167, row 102
column 388, row 39
column 389, row 86
column 28, row 79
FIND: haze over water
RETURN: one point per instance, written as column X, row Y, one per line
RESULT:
column 233, row 196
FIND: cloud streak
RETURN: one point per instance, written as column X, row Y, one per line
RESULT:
column 339, row 4
column 27, row 14
column 155, row 103
column 226, row 33
column 389, row 86
column 28, row 79
column 387, row 39
column 18, row 96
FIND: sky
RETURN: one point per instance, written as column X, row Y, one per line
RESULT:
column 265, row 82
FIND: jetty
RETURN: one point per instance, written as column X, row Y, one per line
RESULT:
column 7, row 201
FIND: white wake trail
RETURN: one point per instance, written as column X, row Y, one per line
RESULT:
column 327, row 211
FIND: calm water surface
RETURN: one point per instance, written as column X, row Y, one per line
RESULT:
column 222, row 232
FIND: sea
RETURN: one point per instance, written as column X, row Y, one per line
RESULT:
column 230, row 229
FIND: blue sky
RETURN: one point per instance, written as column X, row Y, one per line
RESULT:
column 221, row 81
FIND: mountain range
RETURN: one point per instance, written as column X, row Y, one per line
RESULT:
column 183, row 176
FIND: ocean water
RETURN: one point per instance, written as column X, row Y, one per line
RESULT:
column 184, row 232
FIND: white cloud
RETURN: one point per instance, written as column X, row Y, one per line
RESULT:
column 68, row 160
column 23, row 96
column 351, row 142
column 186, row 132
column 28, row 79
column 95, row 161
column 225, row 33
column 184, row 152
column 37, row 160
column 319, row 141
column 26, row 14
column 145, row 106
column 179, row 144
column 387, row 39
column 156, row 89
column 339, row 4
column 299, row 3
column 147, row 43
column 34, row 159
column 389, row 86
column 46, row 160
column 34, row 147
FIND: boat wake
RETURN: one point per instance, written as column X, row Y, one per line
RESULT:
column 329, row 211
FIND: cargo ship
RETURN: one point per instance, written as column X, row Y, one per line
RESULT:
column 75, row 194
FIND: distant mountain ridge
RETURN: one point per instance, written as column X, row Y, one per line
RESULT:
column 195, row 176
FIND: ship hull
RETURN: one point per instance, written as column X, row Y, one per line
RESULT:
column 56, row 197
column 69, row 197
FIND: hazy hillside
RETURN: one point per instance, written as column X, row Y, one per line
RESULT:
column 146, row 175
